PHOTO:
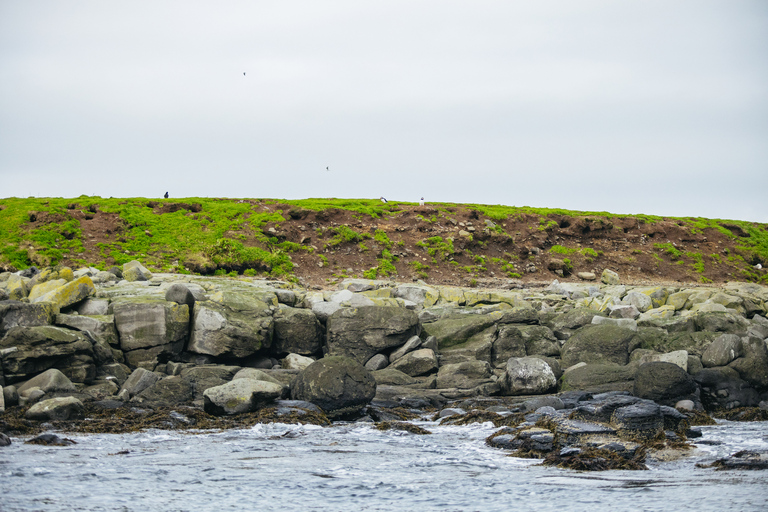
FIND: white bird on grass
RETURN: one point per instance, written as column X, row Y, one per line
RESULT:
column 383, row 200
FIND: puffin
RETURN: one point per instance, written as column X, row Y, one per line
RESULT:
column 383, row 200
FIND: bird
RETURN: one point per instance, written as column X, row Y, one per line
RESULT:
column 421, row 203
column 383, row 200
column 327, row 169
column 166, row 195
column 243, row 73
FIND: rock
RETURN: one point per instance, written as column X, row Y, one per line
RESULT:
column 43, row 288
column 4, row 440
column 91, row 306
column 208, row 376
column 586, row 276
column 638, row 422
column 744, row 459
column 609, row 277
column 392, row 377
column 377, row 362
column 623, row 311
column 599, row 378
column 296, row 362
column 324, row 310
column 57, row 409
column 10, row 395
column 722, row 351
column 664, row 383
column 360, row 333
column 147, row 322
column 753, row 364
column 169, row 391
column 722, row 388
column 418, row 362
column 70, row 293
column 231, row 329
column 20, row 314
column 721, row 322
column 528, row 376
column 542, row 401
column 135, row 271
column 255, row 374
column 50, row 440
column 49, row 381
column 2, row 400
column 599, row 344
column 477, row 347
column 640, row 301
column 32, row 350
column 457, row 329
column 183, row 294
column 466, row 375
column 340, row 386
column 678, row 357
column 421, row 295
column 626, row 323
column 16, row 287
column 138, row 381
column 297, row 331
column 240, row 396
column 412, row 344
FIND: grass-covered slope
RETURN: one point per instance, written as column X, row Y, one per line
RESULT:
column 321, row 240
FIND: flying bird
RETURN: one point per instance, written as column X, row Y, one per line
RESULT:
column 243, row 73
column 327, row 169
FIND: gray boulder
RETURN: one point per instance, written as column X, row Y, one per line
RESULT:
column 638, row 422
column 528, row 376
column 240, row 396
column 297, row 331
column 147, row 322
column 599, row 344
column 377, row 362
column 392, row 377
column 21, row 314
column 599, row 378
column 360, row 333
column 466, row 375
column 138, row 381
column 208, row 376
column 135, row 271
column 723, row 388
column 416, row 363
column 412, row 344
column 457, row 329
column 721, row 322
column 340, row 386
column 168, row 391
column 28, row 351
column 664, row 383
column 722, row 351
column 57, row 409
column 233, row 329
column 753, row 364
column 49, row 381
column 477, row 347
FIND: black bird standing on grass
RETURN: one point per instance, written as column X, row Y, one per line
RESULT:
column 166, row 195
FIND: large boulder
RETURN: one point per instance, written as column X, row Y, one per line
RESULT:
column 101, row 330
column 723, row 388
column 664, row 383
column 166, row 392
column 477, row 347
column 297, row 331
column 150, row 328
column 28, row 351
column 457, row 329
column 722, row 351
column 360, row 333
column 638, row 422
column 416, row 363
column 49, row 381
column 57, row 409
column 69, row 293
column 181, row 293
column 721, row 322
column 341, row 386
column 753, row 364
column 208, row 376
column 528, row 376
column 21, row 314
column 599, row 378
column 599, row 344
column 466, row 375
column 240, row 396
column 236, row 328
column 135, row 271
column 138, row 381
column 421, row 295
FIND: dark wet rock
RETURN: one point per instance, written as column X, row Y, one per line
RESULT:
column 601, row 409
column 181, row 293
column 300, row 407
column 297, row 331
column 50, row 440
column 340, row 386
column 60, row 408
column 640, row 421
column 542, row 401
column 4, row 440
column 723, row 388
column 665, row 383
column 403, row 427
column 745, row 459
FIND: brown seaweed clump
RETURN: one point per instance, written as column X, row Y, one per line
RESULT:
column 498, row 420
column 402, row 425
column 595, row 459
column 743, row 414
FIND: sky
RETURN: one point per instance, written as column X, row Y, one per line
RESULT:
column 633, row 106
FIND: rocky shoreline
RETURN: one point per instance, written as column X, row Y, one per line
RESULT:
column 584, row 375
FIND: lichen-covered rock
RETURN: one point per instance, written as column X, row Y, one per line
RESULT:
column 477, row 347
column 167, row 392
column 208, row 376
column 43, row 288
column 57, row 409
column 360, row 333
column 69, row 293
column 233, row 329
column 149, row 322
column 240, row 396
column 138, row 381
column 528, row 376
column 100, row 328
column 599, row 378
column 181, row 293
column 721, row 322
column 457, row 329
column 28, row 351
column 297, row 331
column 424, row 296
column 340, row 386
column 21, row 314
column 16, row 287
column 609, row 277
column 135, row 271
column 664, row 383
column 599, row 344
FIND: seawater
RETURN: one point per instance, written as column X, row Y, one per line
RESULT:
column 356, row 467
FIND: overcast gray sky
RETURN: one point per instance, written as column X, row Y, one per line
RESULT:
column 634, row 106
